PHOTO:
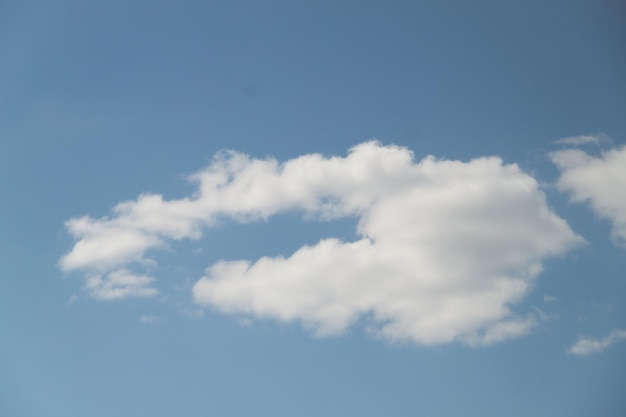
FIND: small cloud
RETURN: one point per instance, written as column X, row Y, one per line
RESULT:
column 594, row 139
column 586, row 346
column 549, row 298
column 246, row 321
column 120, row 284
column 599, row 181
column 542, row 315
column 72, row 299
column 149, row 319
column 503, row 330
column 193, row 313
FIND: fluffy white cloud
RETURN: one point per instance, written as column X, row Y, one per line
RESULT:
column 586, row 346
column 598, row 180
column 445, row 248
column 237, row 186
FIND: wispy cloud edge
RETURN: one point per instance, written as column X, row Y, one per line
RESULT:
column 586, row 345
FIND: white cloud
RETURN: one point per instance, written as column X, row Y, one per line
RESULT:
column 586, row 346
column 445, row 248
column 120, row 284
column 595, row 139
column 598, row 180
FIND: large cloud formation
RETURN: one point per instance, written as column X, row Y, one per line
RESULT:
column 598, row 180
column 445, row 248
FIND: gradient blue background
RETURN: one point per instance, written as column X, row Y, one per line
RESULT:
column 100, row 101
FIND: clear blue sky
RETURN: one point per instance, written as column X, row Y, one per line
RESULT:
column 375, row 284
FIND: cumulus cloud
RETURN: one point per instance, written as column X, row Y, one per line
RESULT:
column 445, row 249
column 597, row 180
column 586, row 346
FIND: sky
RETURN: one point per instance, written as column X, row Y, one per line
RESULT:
column 333, row 208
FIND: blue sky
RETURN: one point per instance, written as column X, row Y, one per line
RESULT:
column 312, row 208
